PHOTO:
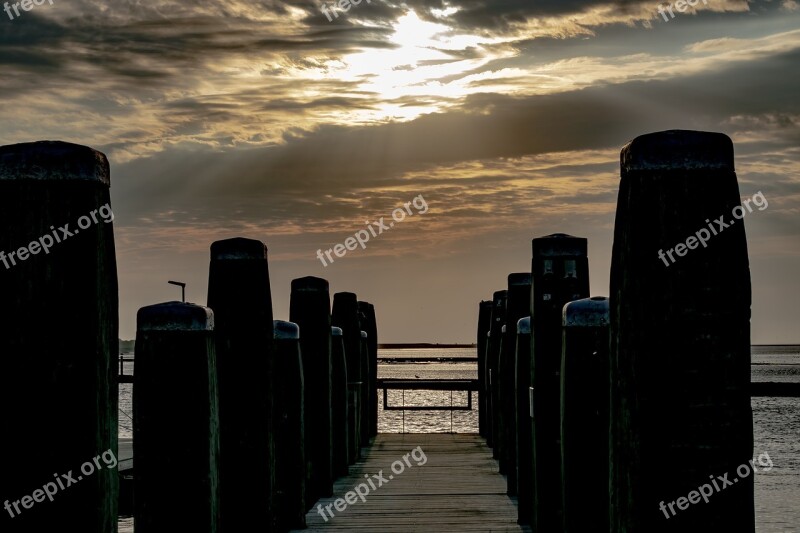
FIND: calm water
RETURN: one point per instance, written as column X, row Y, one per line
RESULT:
column 776, row 421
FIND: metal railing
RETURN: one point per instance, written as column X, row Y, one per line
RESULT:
column 451, row 385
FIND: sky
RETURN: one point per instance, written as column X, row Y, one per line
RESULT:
column 504, row 118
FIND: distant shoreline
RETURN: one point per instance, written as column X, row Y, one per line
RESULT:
column 401, row 346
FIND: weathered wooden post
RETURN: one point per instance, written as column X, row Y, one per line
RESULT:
column 345, row 316
column 584, row 415
column 58, row 335
column 518, row 306
column 289, row 427
column 484, row 321
column 680, row 338
column 239, row 294
column 524, row 447
column 371, row 327
column 175, row 420
column 560, row 273
column 365, row 378
column 339, row 397
column 492, row 359
column 310, row 309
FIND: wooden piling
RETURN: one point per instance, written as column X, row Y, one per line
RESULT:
column 680, row 337
column 524, row 447
column 175, row 420
column 239, row 294
column 484, row 322
column 58, row 335
column 345, row 316
column 339, row 398
column 365, row 378
column 560, row 273
column 371, row 327
column 584, row 415
column 518, row 306
column 289, row 424
column 310, row 309
column 492, row 360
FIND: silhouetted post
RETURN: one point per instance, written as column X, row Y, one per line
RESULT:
column 680, row 338
column 524, row 447
column 339, row 397
column 345, row 316
column 518, row 306
column 58, row 335
column 175, row 420
column 371, row 327
column 492, row 360
column 310, row 309
column 484, row 320
column 239, row 294
column 584, row 415
column 289, row 428
column 560, row 273
column 365, row 378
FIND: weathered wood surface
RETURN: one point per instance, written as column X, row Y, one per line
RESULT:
column 457, row 489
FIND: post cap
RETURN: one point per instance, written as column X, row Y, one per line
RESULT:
column 336, row 332
column 503, row 329
column 310, row 284
column 175, row 316
column 238, row 248
column 678, row 150
column 589, row 313
column 519, row 279
column 560, row 245
column 285, row 330
column 524, row 326
column 363, row 334
column 53, row 161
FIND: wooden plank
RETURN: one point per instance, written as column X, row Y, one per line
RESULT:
column 452, row 483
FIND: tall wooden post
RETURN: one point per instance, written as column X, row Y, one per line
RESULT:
column 484, row 321
column 524, row 446
column 176, row 420
column 345, row 316
column 584, row 415
column 340, row 399
column 239, row 294
column 58, row 336
column 492, row 360
column 290, row 476
column 680, row 338
column 560, row 273
column 517, row 306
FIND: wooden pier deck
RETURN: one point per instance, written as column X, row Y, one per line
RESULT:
column 457, row 489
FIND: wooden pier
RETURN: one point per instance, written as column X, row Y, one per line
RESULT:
column 458, row 488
